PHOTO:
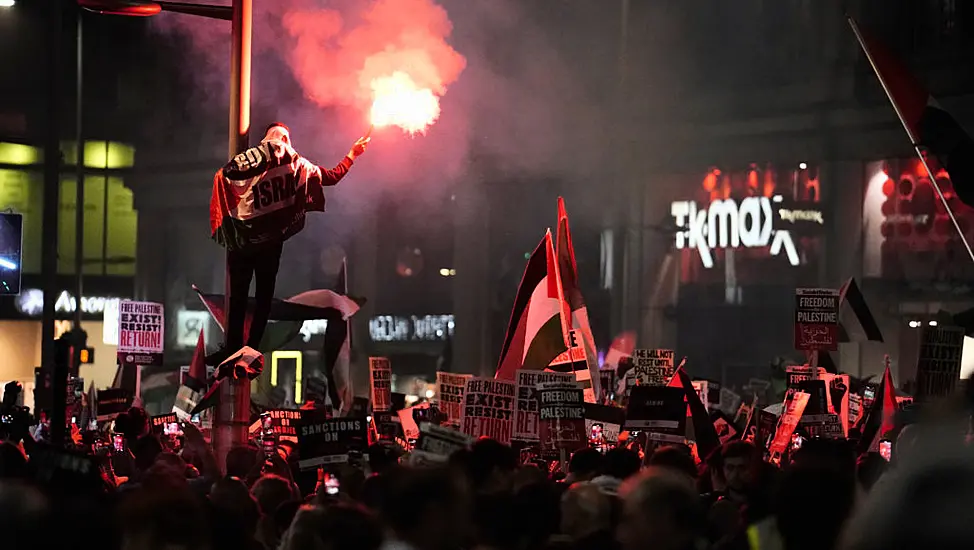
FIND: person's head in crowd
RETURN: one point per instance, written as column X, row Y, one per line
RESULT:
column 837, row 454
column 809, row 490
column 490, row 466
column 172, row 460
column 540, row 502
column 381, row 458
column 527, row 474
column 164, row 476
column 870, row 467
column 146, row 449
column 236, row 508
column 585, row 511
column 162, row 520
column 342, row 526
column 426, row 508
column 677, row 458
column 619, row 464
column 242, row 459
column 584, row 465
column 660, row 507
column 271, row 491
column 25, row 516
column 495, row 524
column 13, row 463
column 740, row 461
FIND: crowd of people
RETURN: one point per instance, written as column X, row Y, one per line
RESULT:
column 489, row 496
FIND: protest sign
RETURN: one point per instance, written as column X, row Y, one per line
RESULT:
column 938, row 363
column 75, row 398
column 794, row 406
column 284, row 423
column 816, row 319
column 488, row 409
column 112, row 402
column 730, row 401
column 760, row 427
column 140, row 333
column 838, row 394
column 651, row 367
column 436, row 443
column 387, row 425
column 186, row 401
column 380, row 377
column 604, row 420
column 798, row 373
column 725, row 428
column 407, row 418
column 575, row 361
column 526, row 407
column 855, row 410
column 449, row 391
column 708, row 392
column 561, row 415
column 657, row 409
column 326, row 441
column 829, row 428
column 163, row 423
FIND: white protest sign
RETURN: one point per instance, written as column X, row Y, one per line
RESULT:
column 140, row 333
column 651, row 367
column 526, row 408
column 488, row 409
column 449, row 395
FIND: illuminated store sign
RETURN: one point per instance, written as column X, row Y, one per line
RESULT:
column 731, row 224
column 31, row 303
column 428, row 328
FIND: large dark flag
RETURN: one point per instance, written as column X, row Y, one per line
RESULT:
column 704, row 432
column 534, row 334
column 578, row 311
column 924, row 120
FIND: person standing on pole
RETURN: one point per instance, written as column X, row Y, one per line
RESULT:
column 259, row 201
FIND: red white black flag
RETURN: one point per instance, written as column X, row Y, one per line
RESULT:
column 924, row 120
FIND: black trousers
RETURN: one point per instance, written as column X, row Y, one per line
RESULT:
column 260, row 263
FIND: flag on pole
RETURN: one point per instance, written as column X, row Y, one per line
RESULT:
column 534, row 333
column 704, row 433
column 856, row 321
column 878, row 422
column 196, row 379
column 925, row 121
column 578, row 312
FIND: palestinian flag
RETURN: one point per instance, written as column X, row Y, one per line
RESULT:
column 856, row 324
column 704, row 433
column 288, row 314
column 927, row 124
column 337, row 352
column 879, row 421
column 586, row 370
column 534, row 334
column 197, row 379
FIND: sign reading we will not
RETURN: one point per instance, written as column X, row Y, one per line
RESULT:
column 140, row 333
column 651, row 367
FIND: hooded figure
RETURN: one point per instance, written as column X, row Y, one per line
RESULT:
column 259, row 201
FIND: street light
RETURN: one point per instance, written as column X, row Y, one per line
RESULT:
column 7, row 3
column 233, row 410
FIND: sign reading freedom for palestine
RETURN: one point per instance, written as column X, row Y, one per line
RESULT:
column 816, row 319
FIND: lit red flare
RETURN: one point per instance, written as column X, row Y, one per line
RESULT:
column 398, row 101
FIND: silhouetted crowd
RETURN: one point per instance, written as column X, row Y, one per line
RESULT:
column 489, row 496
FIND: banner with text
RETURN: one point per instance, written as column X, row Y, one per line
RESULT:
column 816, row 319
column 284, row 423
column 449, row 391
column 380, row 378
column 140, row 333
column 437, row 443
column 526, row 408
column 659, row 410
column 561, row 415
column 488, row 409
column 938, row 363
column 650, row 367
column 325, row 441
column 791, row 414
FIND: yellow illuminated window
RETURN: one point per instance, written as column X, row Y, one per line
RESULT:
column 297, row 356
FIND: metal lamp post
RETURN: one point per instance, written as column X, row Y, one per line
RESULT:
column 233, row 411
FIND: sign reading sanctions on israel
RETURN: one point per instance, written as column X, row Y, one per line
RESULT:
column 816, row 319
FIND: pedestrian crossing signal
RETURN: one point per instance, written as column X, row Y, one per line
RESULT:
column 87, row 356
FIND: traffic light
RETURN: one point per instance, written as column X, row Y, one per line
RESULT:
column 86, row 356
